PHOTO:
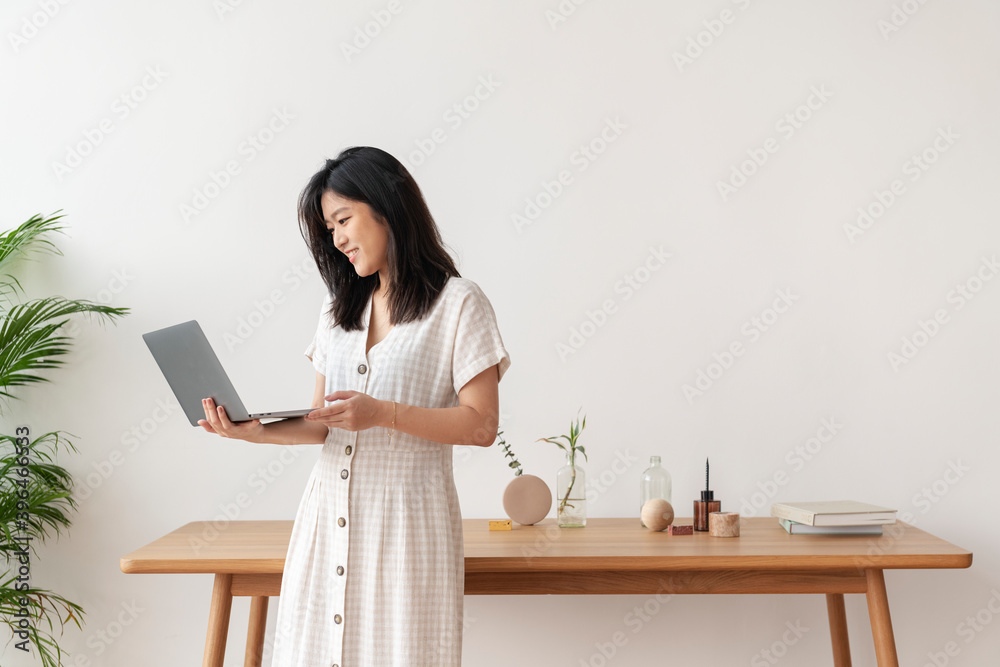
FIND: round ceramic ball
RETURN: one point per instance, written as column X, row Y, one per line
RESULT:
column 657, row 514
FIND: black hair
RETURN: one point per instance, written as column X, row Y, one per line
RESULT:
column 418, row 263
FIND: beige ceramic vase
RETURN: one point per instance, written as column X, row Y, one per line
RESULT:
column 527, row 499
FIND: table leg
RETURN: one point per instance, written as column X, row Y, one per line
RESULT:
column 255, row 633
column 878, row 614
column 218, row 621
column 838, row 629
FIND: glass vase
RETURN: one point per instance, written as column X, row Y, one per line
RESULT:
column 654, row 483
column 571, row 495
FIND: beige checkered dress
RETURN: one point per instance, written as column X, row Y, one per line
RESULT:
column 375, row 570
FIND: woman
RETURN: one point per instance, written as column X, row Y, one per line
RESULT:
column 408, row 357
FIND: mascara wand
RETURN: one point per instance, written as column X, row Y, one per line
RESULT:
column 707, row 494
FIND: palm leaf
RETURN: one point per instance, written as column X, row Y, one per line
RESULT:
column 35, row 492
column 42, row 605
column 48, row 486
column 30, row 340
column 29, row 238
column 9, row 290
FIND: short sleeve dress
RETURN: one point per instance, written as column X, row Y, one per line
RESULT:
column 375, row 570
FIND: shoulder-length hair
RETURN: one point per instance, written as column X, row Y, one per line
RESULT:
column 418, row 263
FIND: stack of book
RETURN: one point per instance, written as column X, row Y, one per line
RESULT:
column 833, row 517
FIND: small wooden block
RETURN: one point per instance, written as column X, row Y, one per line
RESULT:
column 500, row 525
column 680, row 530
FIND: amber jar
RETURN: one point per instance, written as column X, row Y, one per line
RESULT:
column 704, row 507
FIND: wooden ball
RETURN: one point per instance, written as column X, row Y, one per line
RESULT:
column 657, row 514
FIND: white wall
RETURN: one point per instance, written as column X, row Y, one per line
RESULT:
column 221, row 74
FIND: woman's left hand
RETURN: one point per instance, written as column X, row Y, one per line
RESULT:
column 351, row 411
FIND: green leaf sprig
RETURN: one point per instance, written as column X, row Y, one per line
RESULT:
column 571, row 448
column 514, row 463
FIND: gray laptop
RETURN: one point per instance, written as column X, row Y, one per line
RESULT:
column 194, row 372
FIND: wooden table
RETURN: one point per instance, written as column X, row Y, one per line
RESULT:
column 609, row 556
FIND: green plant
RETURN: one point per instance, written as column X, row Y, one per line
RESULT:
column 571, row 448
column 35, row 492
column 514, row 463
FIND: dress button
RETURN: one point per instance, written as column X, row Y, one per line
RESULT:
column 348, row 450
column 341, row 522
column 337, row 619
column 362, row 369
column 343, row 474
column 340, row 569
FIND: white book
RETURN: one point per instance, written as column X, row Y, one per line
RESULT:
column 802, row 529
column 834, row 513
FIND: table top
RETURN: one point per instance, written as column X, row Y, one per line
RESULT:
column 259, row 547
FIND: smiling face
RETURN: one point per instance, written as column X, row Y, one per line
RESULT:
column 358, row 233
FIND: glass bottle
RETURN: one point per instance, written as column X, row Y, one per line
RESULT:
column 571, row 495
column 654, row 483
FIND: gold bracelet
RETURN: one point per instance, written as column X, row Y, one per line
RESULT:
column 392, row 429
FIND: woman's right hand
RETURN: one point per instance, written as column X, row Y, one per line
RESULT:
column 217, row 421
